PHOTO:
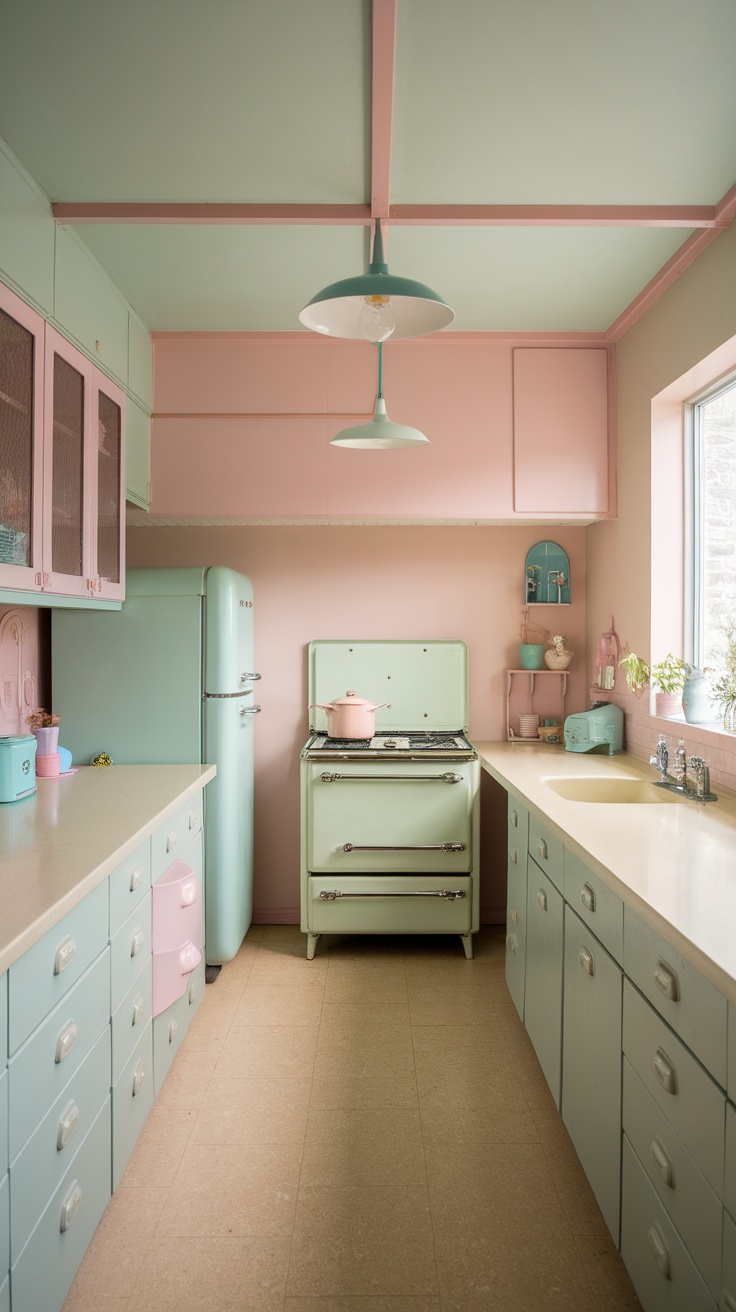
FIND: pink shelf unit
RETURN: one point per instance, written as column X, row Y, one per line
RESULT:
column 534, row 692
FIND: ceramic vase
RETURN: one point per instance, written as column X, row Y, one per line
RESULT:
column 696, row 702
column 531, row 656
column 47, row 740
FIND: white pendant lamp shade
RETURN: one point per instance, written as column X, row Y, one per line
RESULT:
column 380, row 433
column 376, row 305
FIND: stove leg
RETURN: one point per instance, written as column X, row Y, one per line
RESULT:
column 468, row 945
column 311, row 946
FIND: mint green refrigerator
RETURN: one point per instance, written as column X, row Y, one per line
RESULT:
column 169, row 679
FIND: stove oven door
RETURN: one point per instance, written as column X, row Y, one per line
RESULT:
column 390, row 904
column 390, row 817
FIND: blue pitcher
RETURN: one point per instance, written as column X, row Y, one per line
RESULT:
column 696, row 698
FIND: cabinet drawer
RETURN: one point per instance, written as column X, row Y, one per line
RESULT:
column 595, row 903
column 129, row 951
column 130, row 1020
column 38, row 1169
column 46, row 1267
column 518, row 818
column 543, row 991
column 692, row 1006
column 663, row 1273
column 3, row 1018
column 376, row 904
column 691, row 1101
column 516, row 929
column 682, row 1189
column 170, row 841
column 170, row 1027
column 47, row 1061
column 591, row 1063
column 129, row 885
column 132, row 1100
column 729, row 1183
column 547, row 850
column 176, row 912
column 4, row 1225
column 47, row 970
column 3, row 1123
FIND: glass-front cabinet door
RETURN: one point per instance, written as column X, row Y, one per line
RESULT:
column 107, row 509
column 21, row 428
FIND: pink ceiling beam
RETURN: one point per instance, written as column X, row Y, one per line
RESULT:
column 174, row 212
column 382, row 104
column 551, row 216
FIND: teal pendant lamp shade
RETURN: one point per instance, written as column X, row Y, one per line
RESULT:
column 376, row 305
column 380, row 434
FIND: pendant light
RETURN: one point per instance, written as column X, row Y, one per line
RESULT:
column 376, row 305
column 380, row 434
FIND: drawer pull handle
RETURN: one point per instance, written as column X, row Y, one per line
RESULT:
column 67, row 1125
column 667, row 981
column 189, row 893
column 542, row 849
column 403, row 847
column 586, row 961
column 65, row 1041
column 173, row 1027
column 514, row 819
column 660, row 1250
column 193, row 990
column 70, row 1206
column 65, row 954
column 664, row 1071
column 663, row 1164
column 139, row 1010
column 541, row 899
column 514, row 856
column 136, row 878
column 587, row 897
column 512, row 943
column 137, row 942
column 139, row 1075
column 189, row 957
column 171, row 840
column 514, row 916
column 449, row 894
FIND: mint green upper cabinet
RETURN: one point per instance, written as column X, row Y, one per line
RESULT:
column 140, row 362
column 138, row 456
column 26, row 235
column 88, row 307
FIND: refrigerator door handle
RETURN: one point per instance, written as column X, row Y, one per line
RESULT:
column 249, row 678
column 250, row 710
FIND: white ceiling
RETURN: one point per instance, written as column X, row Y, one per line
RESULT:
column 495, row 102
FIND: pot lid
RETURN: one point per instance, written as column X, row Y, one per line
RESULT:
column 351, row 699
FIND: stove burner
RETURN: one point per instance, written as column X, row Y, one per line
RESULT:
column 406, row 743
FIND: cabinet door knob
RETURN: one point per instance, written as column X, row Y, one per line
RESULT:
column 664, row 1071
column 663, row 1164
column 667, row 982
column 587, row 897
column 661, row 1252
column 67, row 1125
column 70, row 1206
column 65, row 954
column 586, row 961
column 65, row 1041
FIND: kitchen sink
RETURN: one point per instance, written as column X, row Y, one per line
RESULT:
column 610, row 790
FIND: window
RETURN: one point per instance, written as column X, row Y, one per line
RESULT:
column 711, row 537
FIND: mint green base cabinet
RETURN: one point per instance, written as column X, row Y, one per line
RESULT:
column 170, row 1027
column 663, row 1274
column 45, row 1269
column 518, row 819
column 591, row 1063
column 728, row 1284
column 543, row 992
column 132, row 1100
column 4, row 1225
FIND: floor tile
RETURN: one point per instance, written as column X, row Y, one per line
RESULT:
column 160, row 1147
column 253, row 1111
column 271, row 1004
column 369, row 1303
column 202, row 1275
column 112, row 1261
column 467, row 1005
column 232, row 1191
column 268, row 1051
column 371, row 1146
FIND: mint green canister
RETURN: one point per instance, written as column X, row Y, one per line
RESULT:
column 531, row 655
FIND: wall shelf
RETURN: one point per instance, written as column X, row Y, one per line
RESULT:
column 534, row 692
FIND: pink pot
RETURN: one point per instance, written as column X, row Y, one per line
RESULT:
column 667, row 703
column 350, row 716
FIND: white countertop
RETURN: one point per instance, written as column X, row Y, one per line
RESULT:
column 674, row 863
column 58, row 845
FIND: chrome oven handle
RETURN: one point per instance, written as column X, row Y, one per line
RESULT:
column 410, row 847
column 448, row 894
column 447, row 778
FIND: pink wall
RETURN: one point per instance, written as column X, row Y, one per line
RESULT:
column 392, row 582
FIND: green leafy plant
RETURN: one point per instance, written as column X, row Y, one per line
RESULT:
column 669, row 674
column 636, row 671
column 723, row 681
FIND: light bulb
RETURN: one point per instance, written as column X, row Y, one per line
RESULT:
column 377, row 321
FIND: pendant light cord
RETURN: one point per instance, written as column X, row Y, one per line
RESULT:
column 380, row 370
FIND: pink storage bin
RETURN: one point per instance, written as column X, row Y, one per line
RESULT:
column 176, row 909
column 47, row 767
column 171, row 971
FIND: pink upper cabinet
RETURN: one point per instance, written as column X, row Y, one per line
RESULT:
column 561, row 451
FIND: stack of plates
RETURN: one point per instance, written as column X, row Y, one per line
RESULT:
column 528, row 726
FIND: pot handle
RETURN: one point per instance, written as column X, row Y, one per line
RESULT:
column 380, row 706
column 321, row 706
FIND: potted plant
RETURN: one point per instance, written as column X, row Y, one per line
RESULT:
column 636, row 671
column 45, row 726
column 669, row 675
column 724, row 684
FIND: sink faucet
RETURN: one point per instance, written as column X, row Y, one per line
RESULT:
column 695, row 786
